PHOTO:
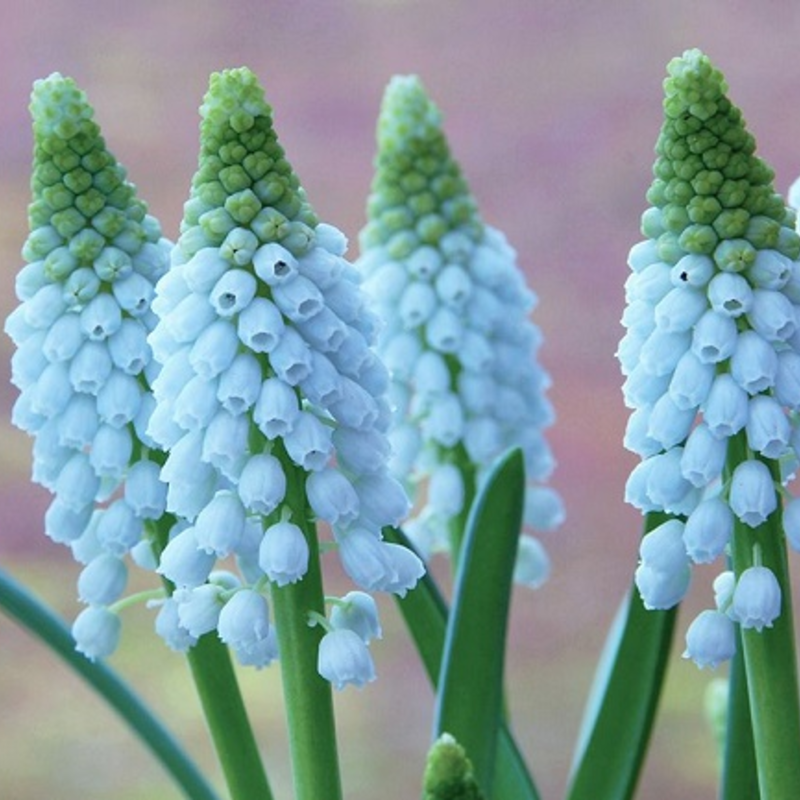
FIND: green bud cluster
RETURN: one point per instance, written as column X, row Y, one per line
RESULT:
column 448, row 772
column 418, row 194
column 710, row 189
column 244, row 192
column 83, row 208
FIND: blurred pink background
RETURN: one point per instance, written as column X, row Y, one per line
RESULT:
column 552, row 109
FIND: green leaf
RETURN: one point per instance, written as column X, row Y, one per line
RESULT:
column 470, row 690
column 39, row 620
column 621, row 709
column 425, row 613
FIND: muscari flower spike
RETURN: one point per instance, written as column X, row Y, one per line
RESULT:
column 268, row 382
column 710, row 353
column 82, row 363
column 457, row 338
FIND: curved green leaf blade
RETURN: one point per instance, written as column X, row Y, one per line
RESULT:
column 619, row 716
column 425, row 613
column 39, row 620
column 470, row 694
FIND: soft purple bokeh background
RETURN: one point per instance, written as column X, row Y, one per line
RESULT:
column 552, row 109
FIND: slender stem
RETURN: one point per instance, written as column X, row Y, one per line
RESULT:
column 226, row 717
column 223, row 707
column 739, row 773
column 769, row 656
column 307, row 696
column 40, row 621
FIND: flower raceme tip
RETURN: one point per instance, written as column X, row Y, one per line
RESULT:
column 456, row 335
column 711, row 350
column 224, row 387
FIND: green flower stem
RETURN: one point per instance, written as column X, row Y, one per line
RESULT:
column 739, row 775
column 309, row 704
column 226, row 717
column 40, row 621
column 222, row 704
column 769, row 656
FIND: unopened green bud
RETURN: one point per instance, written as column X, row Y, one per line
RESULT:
column 701, row 239
column 703, row 210
column 216, row 224
column 68, row 222
column 40, row 242
column 270, row 225
column 59, row 263
column 763, row 232
column 448, row 772
column 113, row 264
column 669, row 248
column 91, row 202
column 299, row 239
column 243, row 206
column 734, row 255
column 732, row 223
column 110, row 222
column 86, row 246
column 239, row 246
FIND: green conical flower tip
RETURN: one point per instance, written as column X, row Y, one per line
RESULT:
column 408, row 114
column 82, row 201
column 244, row 187
column 711, row 194
column 418, row 193
column 448, row 772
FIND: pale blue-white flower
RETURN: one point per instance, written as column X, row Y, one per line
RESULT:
column 358, row 612
column 756, row 599
column 83, row 364
column 266, row 370
column 199, row 607
column 344, row 659
column 708, row 530
column 96, row 631
column 712, row 315
column 169, row 628
column 663, row 574
column 532, row 567
column 102, row 580
column 457, row 336
column 244, row 621
column 791, row 523
column 283, row 553
column 710, row 639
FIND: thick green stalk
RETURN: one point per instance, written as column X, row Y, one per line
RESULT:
column 739, row 773
column 226, row 717
column 769, row 656
column 40, row 621
column 223, row 707
column 307, row 696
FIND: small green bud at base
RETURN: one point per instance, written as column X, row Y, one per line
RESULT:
column 448, row 772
